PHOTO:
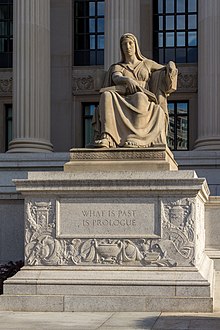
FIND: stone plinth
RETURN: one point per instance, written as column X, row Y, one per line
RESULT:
column 115, row 159
column 113, row 241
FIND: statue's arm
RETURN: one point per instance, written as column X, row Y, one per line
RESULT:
column 154, row 66
column 131, row 84
column 171, row 77
column 164, row 77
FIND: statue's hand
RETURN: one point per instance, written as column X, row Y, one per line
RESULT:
column 171, row 78
column 171, row 68
column 132, row 85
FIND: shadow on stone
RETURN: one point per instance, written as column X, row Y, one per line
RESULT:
column 9, row 270
column 183, row 322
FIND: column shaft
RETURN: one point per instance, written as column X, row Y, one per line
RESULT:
column 208, row 75
column 31, row 77
column 121, row 16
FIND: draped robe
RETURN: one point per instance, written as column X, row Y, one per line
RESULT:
column 133, row 117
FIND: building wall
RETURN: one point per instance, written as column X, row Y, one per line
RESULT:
column 70, row 88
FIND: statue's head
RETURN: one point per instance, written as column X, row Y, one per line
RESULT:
column 130, row 36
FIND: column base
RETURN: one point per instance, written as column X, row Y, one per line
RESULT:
column 30, row 145
column 209, row 143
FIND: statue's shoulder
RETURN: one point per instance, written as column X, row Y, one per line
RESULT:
column 148, row 63
column 116, row 67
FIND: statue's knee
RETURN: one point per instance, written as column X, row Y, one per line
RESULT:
column 140, row 95
column 106, row 94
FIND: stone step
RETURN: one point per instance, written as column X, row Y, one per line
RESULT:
column 63, row 289
column 72, row 303
column 217, row 292
column 181, row 282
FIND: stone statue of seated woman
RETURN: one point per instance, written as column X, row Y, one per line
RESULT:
column 132, row 111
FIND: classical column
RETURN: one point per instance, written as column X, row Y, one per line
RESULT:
column 208, row 75
column 31, row 76
column 121, row 16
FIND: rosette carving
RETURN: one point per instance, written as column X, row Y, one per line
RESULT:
column 6, row 86
column 83, row 83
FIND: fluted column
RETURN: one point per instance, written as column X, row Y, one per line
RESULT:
column 208, row 75
column 31, row 77
column 121, row 16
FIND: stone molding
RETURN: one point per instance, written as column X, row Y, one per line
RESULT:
column 117, row 154
column 90, row 81
column 154, row 158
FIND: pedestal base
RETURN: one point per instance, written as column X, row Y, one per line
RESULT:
column 103, row 289
column 113, row 241
column 117, row 159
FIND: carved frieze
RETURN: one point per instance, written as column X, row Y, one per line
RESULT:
column 83, row 83
column 187, row 81
column 87, row 80
column 174, row 248
column 187, row 78
column 116, row 155
column 6, row 86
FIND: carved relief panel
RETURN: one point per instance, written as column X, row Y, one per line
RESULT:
column 175, row 245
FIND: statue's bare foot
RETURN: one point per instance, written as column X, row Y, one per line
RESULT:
column 130, row 144
column 103, row 143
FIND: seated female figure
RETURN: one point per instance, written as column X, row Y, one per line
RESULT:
column 129, row 113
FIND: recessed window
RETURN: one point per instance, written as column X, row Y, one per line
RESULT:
column 8, row 125
column 88, row 112
column 178, row 132
column 175, row 31
column 6, row 33
column 88, row 32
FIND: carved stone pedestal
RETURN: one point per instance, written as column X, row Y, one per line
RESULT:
column 113, row 241
column 157, row 158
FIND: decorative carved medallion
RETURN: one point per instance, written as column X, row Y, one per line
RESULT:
column 6, row 86
column 187, row 81
column 178, row 230
column 83, row 83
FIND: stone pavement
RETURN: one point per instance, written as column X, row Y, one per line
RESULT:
column 109, row 321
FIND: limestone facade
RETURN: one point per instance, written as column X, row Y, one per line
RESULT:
column 72, row 86
column 56, row 122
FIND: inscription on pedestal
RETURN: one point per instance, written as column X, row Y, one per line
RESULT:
column 99, row 217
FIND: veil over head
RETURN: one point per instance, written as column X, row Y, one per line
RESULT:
column 137, row 49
